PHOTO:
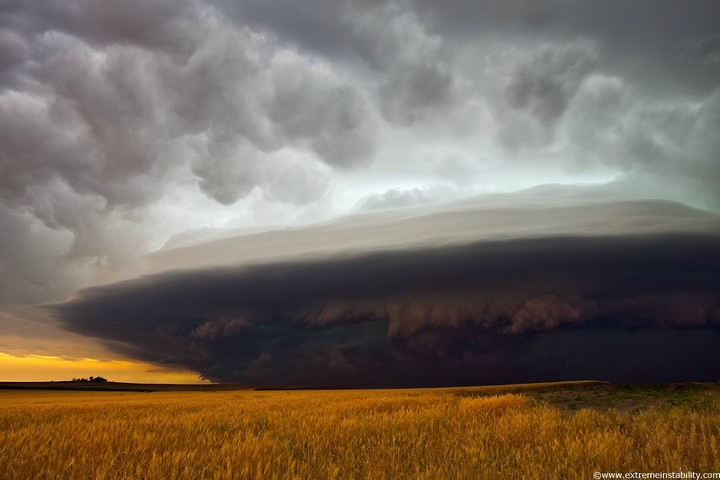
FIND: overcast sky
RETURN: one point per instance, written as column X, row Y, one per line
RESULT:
column 258, row 142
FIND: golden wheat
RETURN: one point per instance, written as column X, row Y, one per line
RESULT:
column 418, row 434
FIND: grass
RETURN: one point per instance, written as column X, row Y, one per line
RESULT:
column 550, row 431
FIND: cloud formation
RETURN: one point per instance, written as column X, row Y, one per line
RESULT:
column 536, row 89
column 125, row 123
column 453, row 314
column 104, row 108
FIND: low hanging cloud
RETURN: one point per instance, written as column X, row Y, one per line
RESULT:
column 544, row 211
column 454, row 314
column 116, row 117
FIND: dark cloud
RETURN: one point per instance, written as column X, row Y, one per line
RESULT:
column 544, row 211
column 449, row 315
column 536, row 87
column 414, row 91
column 413, row 67
column 110, row 109
column 104, row 107
column 314, row 25
column 418, row 78
column 312, row 103
column 701, row 49
column 647, row 42
column 36, row 275
column 12, row 54
column 152, row 24
column 667, row 142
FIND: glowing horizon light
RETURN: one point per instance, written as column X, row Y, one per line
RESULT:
column 46, row 368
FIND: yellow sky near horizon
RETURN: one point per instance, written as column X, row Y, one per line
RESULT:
column 35, row 348
column 43, row 368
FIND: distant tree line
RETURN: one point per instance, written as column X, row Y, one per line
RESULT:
column 91, row 379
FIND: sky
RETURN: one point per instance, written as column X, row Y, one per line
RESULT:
column 360, row 193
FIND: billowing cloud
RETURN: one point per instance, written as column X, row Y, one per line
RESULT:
column 440, row 315
column 123, row 124
column 106, row 108
column 535, row 89
column 668, row 142
column 419, row 80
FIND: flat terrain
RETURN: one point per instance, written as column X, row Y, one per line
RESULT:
column 120, row 386
column 558, row 430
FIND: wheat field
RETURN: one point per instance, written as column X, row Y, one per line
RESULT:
column 465, row 433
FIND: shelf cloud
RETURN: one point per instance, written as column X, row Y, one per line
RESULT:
column 446, row 314
column 138, row 139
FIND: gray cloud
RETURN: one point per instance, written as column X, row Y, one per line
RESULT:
column 545, row 211
column 702, row 49
column 110, row 112
column 293, row 179
column 643, row 42
column 396, row 198
column 12, row 54
column 310, row 102
column 152, row 24
column 450, row 313
column 410, row 309
column 667, row 142
column 227, row 171
column 36, row 273
column 419, row 80
column 409, row 63
column 314, row 26
column 416, row 91
column 106, row 106
column 535, row 88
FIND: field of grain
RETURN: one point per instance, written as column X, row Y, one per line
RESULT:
column 550, row 432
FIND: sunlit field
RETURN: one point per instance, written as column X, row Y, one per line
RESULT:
column 563, row 431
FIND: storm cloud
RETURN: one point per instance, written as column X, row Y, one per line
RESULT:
column 457, row 314
column 105, row 109
column 127, row 126
column 115, row 110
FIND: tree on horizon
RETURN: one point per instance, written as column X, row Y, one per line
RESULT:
column 90, row 379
